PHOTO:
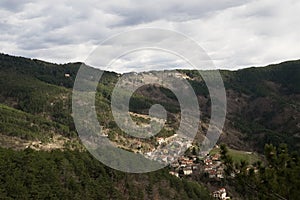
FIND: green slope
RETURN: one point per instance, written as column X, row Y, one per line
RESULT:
column 77, row 175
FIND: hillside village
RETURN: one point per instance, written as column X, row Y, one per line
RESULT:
column 210, row 166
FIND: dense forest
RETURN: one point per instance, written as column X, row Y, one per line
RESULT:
column 60, row 174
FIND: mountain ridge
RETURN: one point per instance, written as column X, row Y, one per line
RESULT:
column 274, row 85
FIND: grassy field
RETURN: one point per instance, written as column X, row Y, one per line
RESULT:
column 237, row 156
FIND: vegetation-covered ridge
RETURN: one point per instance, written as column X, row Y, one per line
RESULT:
column 262, row 103
column 35, row 113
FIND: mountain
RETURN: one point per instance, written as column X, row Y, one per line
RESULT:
column 37, row 128
column 263, row 104
column 41, row 155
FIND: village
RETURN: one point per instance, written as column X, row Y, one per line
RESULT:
column 173, row 151
column 187, row 165
column 210, row 166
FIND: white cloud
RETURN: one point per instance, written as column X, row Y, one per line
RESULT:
column 147, row 60
column 234, row 33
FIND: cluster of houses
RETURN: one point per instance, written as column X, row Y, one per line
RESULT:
column 210, row 165
column 220, row 194
column 213, row 166
column 184, row 166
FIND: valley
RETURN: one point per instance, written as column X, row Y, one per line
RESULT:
column 36, row 123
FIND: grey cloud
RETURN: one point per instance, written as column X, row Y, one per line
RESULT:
column 59, row 25
column 13, row 5
column 5, row 28
column 136, row 12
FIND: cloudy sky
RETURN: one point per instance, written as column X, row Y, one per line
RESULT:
column 234, row 33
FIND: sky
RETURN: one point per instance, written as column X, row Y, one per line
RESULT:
column 234, row 33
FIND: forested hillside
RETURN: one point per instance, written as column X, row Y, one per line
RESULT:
column 67, row 174
column 42, row 156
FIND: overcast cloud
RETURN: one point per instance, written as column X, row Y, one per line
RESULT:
column 234, row 33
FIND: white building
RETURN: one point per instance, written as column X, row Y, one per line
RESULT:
column 220, row 194
column 187, row 171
